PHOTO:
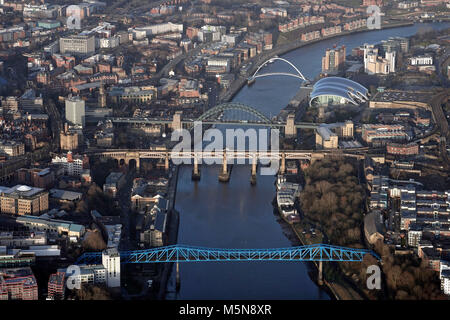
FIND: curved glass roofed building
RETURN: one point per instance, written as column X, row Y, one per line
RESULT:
column 337, row 91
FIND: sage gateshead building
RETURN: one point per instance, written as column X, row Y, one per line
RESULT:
column 337, row 91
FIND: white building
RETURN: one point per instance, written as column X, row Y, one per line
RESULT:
column 421, row 61
column 211, row 33
column 77, row 44
column 75, row 111
column 89, row 274
column 232, row 39
column 390, row 57
column 444, row 275
column 52, row 48
column 109, row 43
column 220, row 62
column 142, row 32
column 73, row 166
column 111, row 262
column 408, row 4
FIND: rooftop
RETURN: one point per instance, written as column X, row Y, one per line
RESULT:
column 22, row 191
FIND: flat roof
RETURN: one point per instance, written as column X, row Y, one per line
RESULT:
column 65, row 194
column 392, row 95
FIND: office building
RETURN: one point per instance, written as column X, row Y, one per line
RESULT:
column 374, row 63
column 77, row 45
column 23, row 200
column 75, row 111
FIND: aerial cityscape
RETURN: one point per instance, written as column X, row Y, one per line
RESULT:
column 224, row 150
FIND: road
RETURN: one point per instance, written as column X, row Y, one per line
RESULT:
column 441, row 120
column 126, row 218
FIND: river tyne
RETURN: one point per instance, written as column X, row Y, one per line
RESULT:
column 238, row 215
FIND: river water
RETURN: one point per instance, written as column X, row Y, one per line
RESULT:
column 237, row 215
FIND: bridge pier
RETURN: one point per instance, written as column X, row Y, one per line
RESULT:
column 176, row 121
column 320, row 274
column 283, row 164
column 166, row 162
column 177, row 277
column 254, row 169
column 224, row 176
column 290, row 130
column 195, row 171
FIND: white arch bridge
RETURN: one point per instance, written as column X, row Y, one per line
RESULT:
column 298, row 74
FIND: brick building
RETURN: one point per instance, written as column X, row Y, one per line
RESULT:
column 18, row 284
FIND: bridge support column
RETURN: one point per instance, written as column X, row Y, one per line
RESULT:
column 320, row 274
column 138, row 163
column 176, row 121
column 254, row 169
column 290, row 130
column 224, row 176
column 166, row 162
column 283, row 163
column 195, row 171
column 177, row 277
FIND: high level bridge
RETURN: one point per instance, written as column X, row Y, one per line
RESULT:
column 223, row 157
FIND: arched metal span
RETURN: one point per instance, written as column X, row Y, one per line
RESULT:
column 298, row 75
column 279, row 74
column 183, row 253
column 219, row 109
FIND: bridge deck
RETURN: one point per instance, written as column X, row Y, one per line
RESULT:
column 181, row 253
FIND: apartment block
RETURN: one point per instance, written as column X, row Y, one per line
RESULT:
column 56, row 286
column 333, row 60
column 18, row 284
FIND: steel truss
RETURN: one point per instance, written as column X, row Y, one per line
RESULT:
column 183, row 253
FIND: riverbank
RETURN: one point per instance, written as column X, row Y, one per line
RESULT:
column 336, row 290
column 173, row 223
column 240, row 81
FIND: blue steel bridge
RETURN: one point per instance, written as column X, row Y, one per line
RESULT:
column 182, row 253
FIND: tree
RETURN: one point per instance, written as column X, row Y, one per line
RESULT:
column 93, row 292
column 93, row 241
